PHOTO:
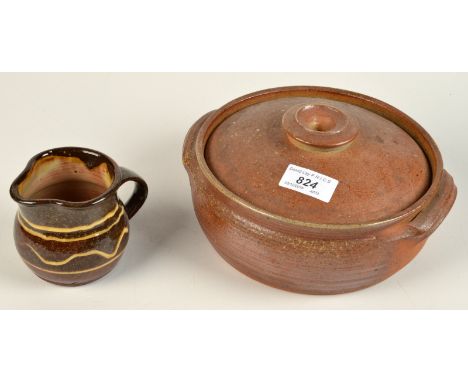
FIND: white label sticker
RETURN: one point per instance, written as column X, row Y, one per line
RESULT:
column 309, row 182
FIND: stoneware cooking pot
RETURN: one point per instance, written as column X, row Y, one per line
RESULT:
column 71, row 227
column 315, row 190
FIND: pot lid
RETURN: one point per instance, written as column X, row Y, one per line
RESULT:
column 317, row 159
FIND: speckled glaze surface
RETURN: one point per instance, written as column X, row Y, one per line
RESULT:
column 393, row 191
column 71, row 228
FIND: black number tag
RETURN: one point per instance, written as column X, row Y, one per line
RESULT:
column 306, row 182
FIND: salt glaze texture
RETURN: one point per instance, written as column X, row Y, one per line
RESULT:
column 393, row 191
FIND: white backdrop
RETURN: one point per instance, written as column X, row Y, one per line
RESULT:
column 140, row 120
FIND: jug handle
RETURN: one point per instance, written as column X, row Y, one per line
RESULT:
column 139, row 194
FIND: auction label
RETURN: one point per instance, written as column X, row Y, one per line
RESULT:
column 309, row 182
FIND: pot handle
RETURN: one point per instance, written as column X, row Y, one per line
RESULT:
column 139, row 194
column 427, row 221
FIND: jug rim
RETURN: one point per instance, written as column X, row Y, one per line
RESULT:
column 66, row 151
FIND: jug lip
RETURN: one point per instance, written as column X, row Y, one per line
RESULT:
column 66, row 151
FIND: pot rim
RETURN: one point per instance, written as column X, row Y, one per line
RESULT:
column 410, row 126
column 60, row 151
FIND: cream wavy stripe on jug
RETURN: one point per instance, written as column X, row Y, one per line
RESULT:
column 83, row 254
column 75, row 272
column 72, row 229
column 42, row 236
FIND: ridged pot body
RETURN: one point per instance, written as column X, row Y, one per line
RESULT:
column 82, row 246
column 291, row 259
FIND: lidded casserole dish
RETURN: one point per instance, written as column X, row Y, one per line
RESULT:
column 315, row 190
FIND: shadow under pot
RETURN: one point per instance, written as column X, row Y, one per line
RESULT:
column 71, row 228
column 315, row 190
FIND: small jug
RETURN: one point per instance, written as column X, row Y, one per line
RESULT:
column 71, row 228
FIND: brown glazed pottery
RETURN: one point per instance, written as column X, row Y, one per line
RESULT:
column 315, row 190
column 71, row 227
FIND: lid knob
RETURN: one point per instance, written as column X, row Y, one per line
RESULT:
column 319, row 127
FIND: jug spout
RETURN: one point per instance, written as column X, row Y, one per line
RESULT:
column 65, row 187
